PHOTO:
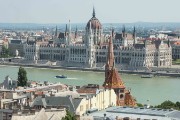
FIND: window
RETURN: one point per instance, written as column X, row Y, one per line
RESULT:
column 91, row 105
column 121, row 96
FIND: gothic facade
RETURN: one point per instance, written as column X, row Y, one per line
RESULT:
column 91, row 50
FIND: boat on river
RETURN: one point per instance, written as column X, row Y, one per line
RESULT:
column 147, row 76
column 61, row 76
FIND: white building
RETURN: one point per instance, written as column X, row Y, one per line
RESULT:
column 91, row 51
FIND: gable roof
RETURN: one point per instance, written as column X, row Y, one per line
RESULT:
column 76, row 102
column 39, row 101
column 65, row 101
column 16, row 42
column 114, row 80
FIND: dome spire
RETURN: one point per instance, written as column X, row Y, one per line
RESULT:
column 94, row 14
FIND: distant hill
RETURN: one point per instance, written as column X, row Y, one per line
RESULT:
column 82, row 25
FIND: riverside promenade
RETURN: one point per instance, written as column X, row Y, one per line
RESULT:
column 173, row 71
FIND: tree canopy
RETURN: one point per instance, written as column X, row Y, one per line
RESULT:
column 22, row 77
column 165, row 105
column 4, row 52
column 169, row 105
column 69, row 116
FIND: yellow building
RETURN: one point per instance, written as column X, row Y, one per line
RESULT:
column 94, row 97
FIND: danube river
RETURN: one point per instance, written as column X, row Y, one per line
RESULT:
column 146, row 90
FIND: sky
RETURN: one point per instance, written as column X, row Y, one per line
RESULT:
column 80, row 11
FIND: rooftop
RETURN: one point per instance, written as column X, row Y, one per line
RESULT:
column 137, row 112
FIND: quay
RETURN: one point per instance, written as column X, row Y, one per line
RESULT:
column 171, row 72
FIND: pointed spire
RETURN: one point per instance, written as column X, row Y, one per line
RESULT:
column 56, row 32
column 134, row 35
column 112, row 32
column 110, row 53
column 76, row 32
column 123, row 31
column 94, row 14
column 66, row 30
column 112, row 77
column 169, row 43
column 69, row 33
column 69, row 27
column 134, row 31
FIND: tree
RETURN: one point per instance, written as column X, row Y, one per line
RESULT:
column 178, row 105
column 69, row 116
column 4, row 52
column 166, row 105
column 140, row 105
column 22, row 77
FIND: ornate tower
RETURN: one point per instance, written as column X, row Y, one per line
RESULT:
column 56, row 33
column 66, row 31
column 124, row 37
column 112, row 78
column 93, row 30
column 63, row 36
column 124, row 31
column 114, row 81
column 134, row 36
column 69, row 33
column 76, row 33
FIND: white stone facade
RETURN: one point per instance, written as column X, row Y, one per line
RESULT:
column 92, row 50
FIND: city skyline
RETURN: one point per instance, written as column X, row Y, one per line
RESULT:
column 80, row 11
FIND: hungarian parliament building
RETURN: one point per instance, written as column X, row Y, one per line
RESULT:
column 90, row 49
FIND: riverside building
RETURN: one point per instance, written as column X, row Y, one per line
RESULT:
column 90, row 49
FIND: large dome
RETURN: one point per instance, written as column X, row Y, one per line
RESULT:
column 95, row 24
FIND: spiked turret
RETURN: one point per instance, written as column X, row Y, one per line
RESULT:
column 114, row 81
column 124, row 31
column 134, row 36
column 66, row 31
column 112, row 78
column 56, row 33
column 76, row 32
column 94, row 13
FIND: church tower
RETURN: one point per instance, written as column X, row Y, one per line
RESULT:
column 114, row 81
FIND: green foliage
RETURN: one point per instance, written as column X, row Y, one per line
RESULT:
column 165, row 105
column 22, row 77
column 176, row 62
column 168, row 105
column 139, row 105
column 4, row 52
column 69, row 116
column 177, row 105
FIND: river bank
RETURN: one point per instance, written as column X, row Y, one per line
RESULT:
column 171, row 72
column 152, row 91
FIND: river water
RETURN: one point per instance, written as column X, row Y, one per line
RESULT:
column 146, row 90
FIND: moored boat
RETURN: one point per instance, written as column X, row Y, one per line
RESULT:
column 61, row 76
column 147, row 76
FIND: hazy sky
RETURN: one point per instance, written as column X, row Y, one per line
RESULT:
column 80, row 11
